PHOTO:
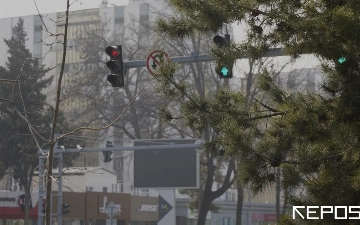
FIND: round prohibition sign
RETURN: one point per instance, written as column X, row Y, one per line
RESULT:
column 155, row 60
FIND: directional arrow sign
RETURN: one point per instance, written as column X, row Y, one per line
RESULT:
column 164, row 207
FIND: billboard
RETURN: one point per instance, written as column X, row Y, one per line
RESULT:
column 166, row 168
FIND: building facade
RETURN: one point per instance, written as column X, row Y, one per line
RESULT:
column 91, row 208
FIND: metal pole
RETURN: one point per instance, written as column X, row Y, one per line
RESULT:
column 120, row 148
column 111, row 215
column 60, row 168
column 41, row 191
column 51, row 197
column 199, row 58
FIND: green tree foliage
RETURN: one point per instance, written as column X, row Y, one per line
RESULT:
column 24, row 113
column 312, row 137
column 23, row 100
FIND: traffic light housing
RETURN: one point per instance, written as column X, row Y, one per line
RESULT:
column 43, row 208
column 116, row 65
column 224, row 70
column 65, row 208
column 107, row 154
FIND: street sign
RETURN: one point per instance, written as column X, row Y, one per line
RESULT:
column 111, row 210
column 155, row 60
column 164, row 207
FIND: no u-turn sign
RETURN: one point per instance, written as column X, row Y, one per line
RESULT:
column 155, row 60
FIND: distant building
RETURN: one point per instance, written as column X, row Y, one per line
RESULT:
column 303, row 80
column 95, row 179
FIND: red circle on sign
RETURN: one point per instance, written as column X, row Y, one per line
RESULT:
column 153, row 55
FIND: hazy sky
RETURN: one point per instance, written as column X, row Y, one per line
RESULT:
column 14, row 8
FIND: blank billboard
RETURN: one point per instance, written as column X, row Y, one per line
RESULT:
column 166, row 168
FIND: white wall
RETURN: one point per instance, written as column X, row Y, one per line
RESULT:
column 99, row 179
column 77, row 181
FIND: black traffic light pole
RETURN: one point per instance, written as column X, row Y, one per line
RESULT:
column 198, row 58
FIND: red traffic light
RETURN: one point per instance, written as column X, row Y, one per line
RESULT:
column 115, row 52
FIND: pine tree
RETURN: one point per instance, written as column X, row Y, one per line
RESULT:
column 24, row 99
column 313, row 138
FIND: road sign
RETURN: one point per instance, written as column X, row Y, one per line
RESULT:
column 156, row 59
column 164, row 207
column 111, row 210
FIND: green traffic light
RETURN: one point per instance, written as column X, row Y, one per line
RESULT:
column 224, row 71
column 342, row 60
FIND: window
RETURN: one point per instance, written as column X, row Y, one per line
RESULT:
column 13, row 32
column 60, row 46
column 119, row 27
column 38, row 49
column 119, row 163
column 37, row 20
column 142, row 192
column 119, row 14
column 71, row 45
column 66, row 68
column 120, row 176
column 37, row 36
column 226, row 221
column 144, row 12
column 89, row 188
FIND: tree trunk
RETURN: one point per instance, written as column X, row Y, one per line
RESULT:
column 48, row 181
column 27, row 190
column 278, row 189
column 239, row 204
column 204, row 209
column 284, row 209
column 27, row 203
column 209, row 195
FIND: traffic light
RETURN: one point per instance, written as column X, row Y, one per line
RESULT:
column 65, row 208
column 43, row 208
column 107, row 154
column 116, row 66
column 224, row 70
column 342, row 60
